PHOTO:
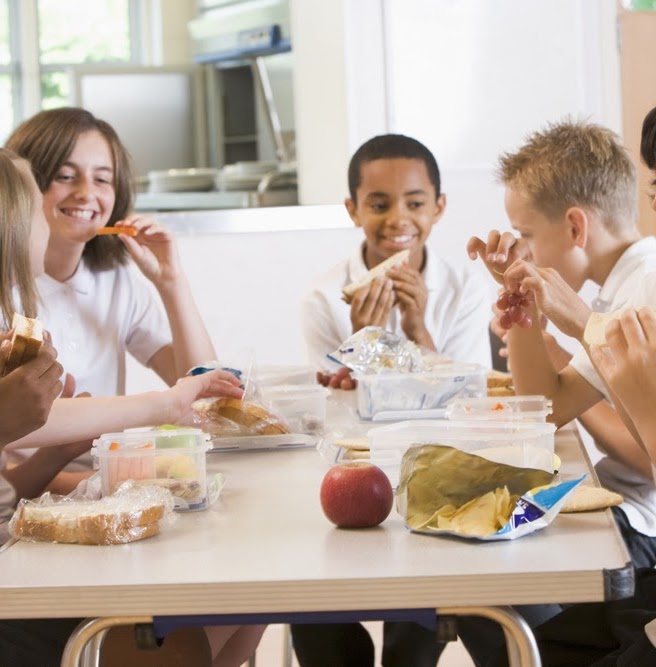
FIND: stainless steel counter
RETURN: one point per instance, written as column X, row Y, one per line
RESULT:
column 265, row 219
column 189, row 201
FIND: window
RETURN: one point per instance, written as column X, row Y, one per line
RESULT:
column 41, row 39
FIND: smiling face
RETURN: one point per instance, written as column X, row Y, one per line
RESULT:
column 80, row 198
column 396, row 207
column 551, row 242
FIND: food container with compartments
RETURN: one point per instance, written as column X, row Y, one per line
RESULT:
column 517, row 443
column 395, row 393
column 301, row 406
column 172, row 458
column 502, row 408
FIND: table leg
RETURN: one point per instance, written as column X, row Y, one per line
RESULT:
column 88, row 629
column 521, row 645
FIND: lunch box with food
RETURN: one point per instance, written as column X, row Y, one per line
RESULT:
column 398, row 392
column 172, row 458
column 500, row 408
column 521, row 444
column 301, row 406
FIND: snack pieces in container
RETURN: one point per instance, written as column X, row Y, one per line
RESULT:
column 445, row 491
column 500, row 408
column 169, row 457
column 302, row 406
column 132, row 513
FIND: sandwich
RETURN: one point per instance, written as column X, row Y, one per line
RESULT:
column 500, row 384
column 125, row 517
column 595, row 329
column 379, row 270
column 243, row 418
column 25, row 342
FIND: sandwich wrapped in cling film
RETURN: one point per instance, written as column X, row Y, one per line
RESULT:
column 131, row 513
column 444, row 491
column 373, row 349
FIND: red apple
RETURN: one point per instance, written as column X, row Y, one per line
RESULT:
column 356, row 495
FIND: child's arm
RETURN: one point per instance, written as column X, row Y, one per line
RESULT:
column 74, row 419
column 31, row 477
column 155, row 253
column 628, row 367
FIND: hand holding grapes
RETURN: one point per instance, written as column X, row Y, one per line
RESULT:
column 514, row 307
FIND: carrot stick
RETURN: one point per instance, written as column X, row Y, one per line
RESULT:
column 130, row 231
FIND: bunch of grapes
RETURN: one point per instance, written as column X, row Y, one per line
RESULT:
column 513, row 305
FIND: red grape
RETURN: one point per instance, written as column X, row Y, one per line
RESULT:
column 513, row 305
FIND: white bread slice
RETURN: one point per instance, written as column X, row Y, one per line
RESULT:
column 25, row 343
column 378, row 270
column 595, row 329
column 110, row 520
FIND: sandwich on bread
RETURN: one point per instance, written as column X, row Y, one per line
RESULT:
column 378, row 270
column 246, row 418
column 500, row 384
column 117, row 519
column 25, row 342
column 595, row 329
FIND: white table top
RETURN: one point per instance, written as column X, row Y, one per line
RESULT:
column 265, row 546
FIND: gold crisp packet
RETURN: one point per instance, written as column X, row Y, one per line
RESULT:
column 445, row 489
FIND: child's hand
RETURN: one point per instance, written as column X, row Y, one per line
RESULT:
column 372, row 304
column 412, row 296
column 213, row 384
column 341, row 379
column 628, row 364
column 498, row 253
column 27, row 393
column 553, row 296
column 153, row 249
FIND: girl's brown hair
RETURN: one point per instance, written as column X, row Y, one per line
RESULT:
column 17, row 208
column 47, row 139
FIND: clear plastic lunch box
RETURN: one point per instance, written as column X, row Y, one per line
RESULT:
column 502, row 408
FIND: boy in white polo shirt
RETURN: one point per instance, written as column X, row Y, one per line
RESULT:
column 571, row 195
column 395, row 197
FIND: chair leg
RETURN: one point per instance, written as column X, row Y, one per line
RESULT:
column 91, row 654
column 288, row 649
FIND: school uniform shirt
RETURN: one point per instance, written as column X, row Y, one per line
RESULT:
column 95, row 318
column 457, row 311
column 7, row 506
column 631, row 282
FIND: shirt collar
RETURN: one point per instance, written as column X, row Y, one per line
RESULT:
column 81, row 281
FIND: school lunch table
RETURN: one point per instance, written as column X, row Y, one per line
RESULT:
column 265, row 553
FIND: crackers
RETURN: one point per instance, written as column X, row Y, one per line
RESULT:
column 586, row 498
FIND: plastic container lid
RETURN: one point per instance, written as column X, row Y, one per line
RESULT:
column 500, row 408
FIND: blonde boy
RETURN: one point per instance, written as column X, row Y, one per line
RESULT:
column 571, row 196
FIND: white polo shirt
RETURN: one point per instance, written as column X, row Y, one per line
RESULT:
column 457, row 311
column 95, row 318
column 7, row 506
column 631, row 282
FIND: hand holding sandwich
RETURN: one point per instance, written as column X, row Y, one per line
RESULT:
column 27, row 393
column 372, row 304
column 412, row 296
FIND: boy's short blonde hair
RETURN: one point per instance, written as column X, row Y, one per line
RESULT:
column 575, row 164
